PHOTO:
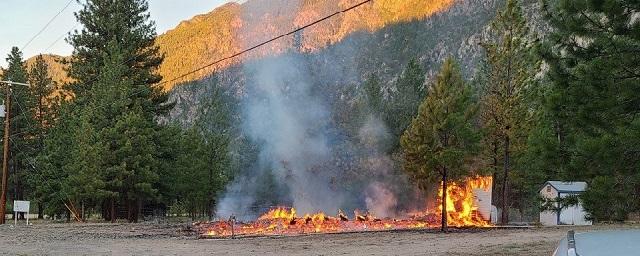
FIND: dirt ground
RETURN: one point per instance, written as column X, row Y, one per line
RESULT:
column 176, row 239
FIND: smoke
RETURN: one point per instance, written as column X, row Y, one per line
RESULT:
column 290, row 124
column 380, row 200
column 304, row 159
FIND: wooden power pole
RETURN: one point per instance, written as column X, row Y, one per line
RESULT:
column 5, row 151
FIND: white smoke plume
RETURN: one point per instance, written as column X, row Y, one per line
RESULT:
column 297, row 166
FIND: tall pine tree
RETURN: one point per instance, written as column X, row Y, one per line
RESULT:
column 441, row 138
column 510, row 68
column 21, row 160
column 406, row 100
column 44, row 107
column 124, row 23
column 114, row 66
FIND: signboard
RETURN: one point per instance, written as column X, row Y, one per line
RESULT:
column 21, row 206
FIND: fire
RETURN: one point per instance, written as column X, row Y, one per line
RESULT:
column 279, row 213
column 462, row 202
column 462, row 211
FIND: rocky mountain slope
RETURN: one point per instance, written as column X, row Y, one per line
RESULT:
column 338, row 69
column 233, row 27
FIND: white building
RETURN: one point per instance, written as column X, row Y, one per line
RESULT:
column 573, row 215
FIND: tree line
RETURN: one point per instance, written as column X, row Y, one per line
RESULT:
column 98, row 148
column 559, row 106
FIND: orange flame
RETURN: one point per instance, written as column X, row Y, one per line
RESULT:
column 462, row 211
column 462, row 203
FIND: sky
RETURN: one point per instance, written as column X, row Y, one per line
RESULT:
column 20, row 20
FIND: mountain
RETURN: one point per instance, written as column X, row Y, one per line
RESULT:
column 234, row 27
column 56, row 67
column 377, row 37
column 336, row 70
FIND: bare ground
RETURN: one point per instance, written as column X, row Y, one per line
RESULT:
column 176, row 239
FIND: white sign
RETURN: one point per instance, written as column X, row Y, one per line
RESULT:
column 21, row 206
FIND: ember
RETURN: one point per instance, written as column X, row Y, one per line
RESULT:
column 462, row 210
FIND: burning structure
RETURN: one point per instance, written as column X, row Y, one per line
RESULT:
column 465, row 207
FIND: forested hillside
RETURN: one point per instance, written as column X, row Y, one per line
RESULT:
column 340, row 68
column 234, row 27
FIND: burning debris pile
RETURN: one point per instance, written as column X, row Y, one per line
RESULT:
column 465, row 208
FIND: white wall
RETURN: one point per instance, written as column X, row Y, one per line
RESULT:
column 574, row 215
column 548, row 218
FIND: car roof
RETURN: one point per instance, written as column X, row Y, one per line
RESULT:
column 610, row 242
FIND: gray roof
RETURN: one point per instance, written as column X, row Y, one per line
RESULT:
column 567, row 186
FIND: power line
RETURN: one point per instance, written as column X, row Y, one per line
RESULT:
column 140, row 90
column 266, row 42
column 46, row 25
column 61, row 36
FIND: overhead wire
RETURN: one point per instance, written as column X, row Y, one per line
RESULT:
column 46, row 25
column 265, row 42
column 60, row 38
column 140, row 90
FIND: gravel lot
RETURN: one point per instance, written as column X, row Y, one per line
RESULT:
column 176, row 239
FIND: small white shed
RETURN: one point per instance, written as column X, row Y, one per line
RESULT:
column 573, row 215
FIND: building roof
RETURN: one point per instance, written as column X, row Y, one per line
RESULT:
column 567, row 186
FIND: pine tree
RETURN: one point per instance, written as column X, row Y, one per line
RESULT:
column 85, row 183
column 409, row 95
column 44, row 108
column 51, row 180
column 593, row 99
column 441, row 138
column 114, row 66
column 130, row 171
column 124, row 23
column 214, row 123
column 192, row 182
column 510, row 69
column 21, row 156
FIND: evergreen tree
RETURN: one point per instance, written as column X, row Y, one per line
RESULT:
column 406, row 100
column 21, row 160
column 114, row 70
column 192, row 183
column 510, row 68
column 214, row 123
column 374, row 97
column 124, row 23
column 44, row 107
column 593, row 99
column 130, row 172
column 85, row 181
column 52, row 175
column 441, row 138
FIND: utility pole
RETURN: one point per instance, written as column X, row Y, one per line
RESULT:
column 5, row 151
